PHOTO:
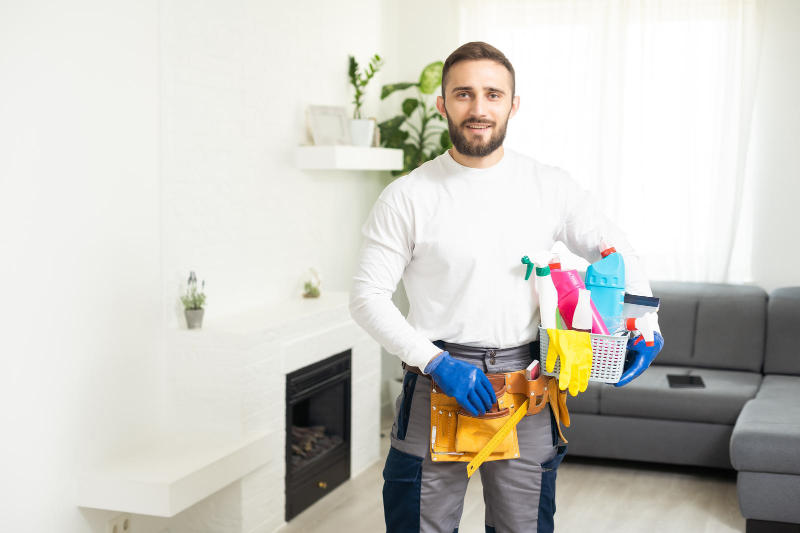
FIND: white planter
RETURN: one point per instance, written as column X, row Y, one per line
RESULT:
column 194, row 318
column 362, row 131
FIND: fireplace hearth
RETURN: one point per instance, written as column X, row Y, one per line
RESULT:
column 317, row 431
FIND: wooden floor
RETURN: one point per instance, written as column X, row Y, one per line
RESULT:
column 591, row 496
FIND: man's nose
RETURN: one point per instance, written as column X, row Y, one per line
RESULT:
column 478, row 108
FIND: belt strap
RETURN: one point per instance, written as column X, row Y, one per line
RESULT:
column 558, row 404
column 414, row 369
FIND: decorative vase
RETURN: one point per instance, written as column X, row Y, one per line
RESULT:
column 362, row 131
column 194, row 318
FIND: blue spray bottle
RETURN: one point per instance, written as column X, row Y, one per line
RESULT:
column 606, row 280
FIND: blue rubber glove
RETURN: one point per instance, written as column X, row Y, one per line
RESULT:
column 464, row 382
column 641, row 357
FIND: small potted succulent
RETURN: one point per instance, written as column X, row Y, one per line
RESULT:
column 193, row 302
column 311, row 287
column 362, row 130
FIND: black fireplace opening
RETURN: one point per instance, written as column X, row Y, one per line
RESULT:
column 317, row 431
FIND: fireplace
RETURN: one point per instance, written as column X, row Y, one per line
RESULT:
column 317, row 431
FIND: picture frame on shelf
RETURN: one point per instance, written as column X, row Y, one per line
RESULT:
column 329, row 125
column 376, row 139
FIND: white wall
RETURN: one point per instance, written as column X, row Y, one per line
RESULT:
column 775, row 157
column 237, row 78
column 79, row 248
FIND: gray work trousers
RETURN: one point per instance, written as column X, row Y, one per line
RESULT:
column 420, row 495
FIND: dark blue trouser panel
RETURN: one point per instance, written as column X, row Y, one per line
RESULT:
column 489, row 529
column 547, row 496
column 402, row 476
column 409, row 382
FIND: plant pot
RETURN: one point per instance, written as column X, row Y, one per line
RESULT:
column 194, row 318
column 362, row 131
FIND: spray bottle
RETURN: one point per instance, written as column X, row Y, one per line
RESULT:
column 548, row 296
column 644, row 325
column 567, row 283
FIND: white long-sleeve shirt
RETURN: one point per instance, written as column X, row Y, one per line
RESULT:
column 455, row 235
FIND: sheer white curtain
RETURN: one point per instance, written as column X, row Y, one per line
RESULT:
column 647, row 103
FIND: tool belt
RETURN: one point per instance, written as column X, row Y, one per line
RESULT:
column 456, row 435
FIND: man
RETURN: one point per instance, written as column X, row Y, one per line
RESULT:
column 455, row 229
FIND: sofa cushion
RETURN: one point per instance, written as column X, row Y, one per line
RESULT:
column 677, row 316
column 766, row 437
column 712, row 325
column 783, row 313
column 587, row 401
column 650, row 396
column 731, row 328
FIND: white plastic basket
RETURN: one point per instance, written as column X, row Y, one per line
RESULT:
column 608, row 356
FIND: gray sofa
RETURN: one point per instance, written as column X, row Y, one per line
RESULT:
column 748, row 415
column 765, row 446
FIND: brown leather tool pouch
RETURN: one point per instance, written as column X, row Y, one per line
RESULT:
column 473, row 432
column 458, row 436
column 535, row 390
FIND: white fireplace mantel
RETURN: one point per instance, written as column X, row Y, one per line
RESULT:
column 226, row 414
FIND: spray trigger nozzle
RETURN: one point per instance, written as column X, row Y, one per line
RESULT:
column 527, row 261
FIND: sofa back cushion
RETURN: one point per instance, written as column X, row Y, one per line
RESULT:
column 712, row 325
column 783, row 325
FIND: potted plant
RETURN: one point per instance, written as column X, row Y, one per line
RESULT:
column 311, row 287
column 420, row 131
column 193, row 302
column 362, row 130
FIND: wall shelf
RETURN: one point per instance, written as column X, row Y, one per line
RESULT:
column 348, row 158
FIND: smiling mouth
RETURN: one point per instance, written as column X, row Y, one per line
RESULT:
column 478, row 127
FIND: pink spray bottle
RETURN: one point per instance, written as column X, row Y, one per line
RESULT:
column 568, row 283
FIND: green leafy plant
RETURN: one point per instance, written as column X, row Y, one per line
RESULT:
column 359, row 80
column 420, row 131
column 194, row 298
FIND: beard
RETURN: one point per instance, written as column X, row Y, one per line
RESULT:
column 477, row 147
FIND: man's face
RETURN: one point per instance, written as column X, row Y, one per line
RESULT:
column 477, row 105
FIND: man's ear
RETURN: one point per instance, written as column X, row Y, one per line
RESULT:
column 440, row 106
column 514, row 106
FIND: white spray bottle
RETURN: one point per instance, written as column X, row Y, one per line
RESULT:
column 644, row 325
column 548, row 296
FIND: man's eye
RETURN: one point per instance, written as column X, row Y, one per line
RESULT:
column 494, row 95
column 462, row 94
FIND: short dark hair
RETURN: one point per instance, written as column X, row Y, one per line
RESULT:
column 474, row 51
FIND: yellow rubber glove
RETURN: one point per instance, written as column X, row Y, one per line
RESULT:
column 575, row 350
